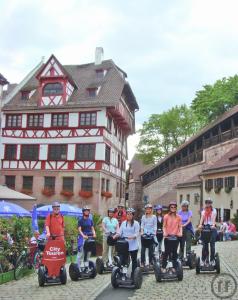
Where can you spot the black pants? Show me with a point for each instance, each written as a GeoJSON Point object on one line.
{"type": "Point", "coordinates": [171, 248]}
{"type": "Point", "coordinates": [151, 253]}
{"type": "Point", "coordinates": [205, 247]}
{"type": "Point", "coordinates": [133, 255]}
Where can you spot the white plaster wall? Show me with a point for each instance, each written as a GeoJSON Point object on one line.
{"type": "Point", "coordinates": [101, 118]}
{"type": "Point", "coordinates": [47, 120]}
{"type": "Point", "coordinates": [73, 119]}
{"type": "Point", "coordinates": [43, 152]}
{"type": "Point", "coordinates": [100, 152]}
{"type": "Point", "coordinates": [71, 152]}
{"type": "Point", "coordinates": [24, 120]}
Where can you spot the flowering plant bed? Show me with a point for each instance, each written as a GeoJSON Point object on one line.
{"type": "Point", "coordinates": [85, 194]}
{"type": "Point", "coordinates": [106, 194]}
{"type": "Point", "coordinates": [48, 192]}
{"type": "Point", "coordinates": [26, 191]}
{"type": "Point", "coordinates": [67, 193]}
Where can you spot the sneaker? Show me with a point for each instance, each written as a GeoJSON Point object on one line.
{"type": "Point", "coordinates": [213, 263]}
{"type": "Point", "coordinates": [163, 270]}
{"type": "Point", "coordinates": [202, 263]}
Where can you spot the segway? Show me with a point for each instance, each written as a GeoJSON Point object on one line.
{"type": "Point", "coordinates": [87, 269]}
{"type": "Point", "coordinates": [147, 240]}
{"type": "Point", "coordinates": [121, 273]}
{"type": "Point", "coordinates": [52, 268]}
{"type": "Point", "coordinates": [206, 236]}
{"type": "Point", "coordinates": [169, 274]}
{"type": "Point", "coordinates": [101, 268]}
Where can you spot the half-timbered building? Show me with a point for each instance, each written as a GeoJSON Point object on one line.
{"type": "Point", "coordinates": [64, 133]}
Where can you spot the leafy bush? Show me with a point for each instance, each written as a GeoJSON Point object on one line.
{"type": "Point", "coordinates": [71, 232]}
{"type": "Point", "coordinates": [97, 220]}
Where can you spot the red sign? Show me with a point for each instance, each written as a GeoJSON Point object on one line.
{"type": "Point", "coordinates": [54, 257]}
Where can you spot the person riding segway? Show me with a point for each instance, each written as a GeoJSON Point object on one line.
{"type": "Point", "coordinates": [84, 268]}
{"type": "Point", "coordinates": [159, 234]}
{"type": "Point", "coordinates": [188, 232]}
{"type": "Point", "coordinates": [127, 245]}
{"type": "Point", "coordinates": [52, 268]}
{"type": "Point", "coordinates": [207, 226]}
{"type": "Point", "coordinates": [148, 237]}
{"type": "Point", "coordinates": [110, 228]}
{"type": "Point", "coordinates": [172, 230]}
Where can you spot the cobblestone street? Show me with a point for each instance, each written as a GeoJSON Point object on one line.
{"type": "Point", "coordinates": [192, 287]}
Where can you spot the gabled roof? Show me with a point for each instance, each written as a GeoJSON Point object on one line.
{"type": "Point", "coordinates": [228, 162]}
{"type": "Point", "coordinates": [3, 80]}
{"type": "Point", "coordinates": [112, 86]}
{"type": "Point", "coordinates": [9, 194]}
{"type": "Point", "coordinates": [137, 167]}
{"type": "Point", "coordinates": [193, 181]}
{"type": "Point", "coordinates": [167, 197]}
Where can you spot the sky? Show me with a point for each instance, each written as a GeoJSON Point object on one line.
{"type": "Point", "coordinates": [169, 49]}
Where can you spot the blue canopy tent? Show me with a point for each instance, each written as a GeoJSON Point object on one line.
{"type": "Point", "coordinates": [65, 210]}
{"type": "Point", "coordinates": [8, 209]}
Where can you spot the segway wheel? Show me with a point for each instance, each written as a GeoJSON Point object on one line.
{"type": "Point", "coordinates": [115, 275]}
{"type": "Point", "coordinates": [93, 269]}
{"type": "Point", "coordinates": [63, 275]}
{"type": "Point", "coordinates": [158, 274]}
{"type": "Point", "coordinates": [41, 276]}
{"type": "Point", "coordinates": [180, 271]}
{"type": "Point", "coordinates": [137, 278]}
{"type": "Point", "coordinates": [218, 268]}
{"type": "Point", "coordinates": [198, 265]}
{"type": "Point", "coordinates": [99, 265]}
{"type": "Point", "coordinates": [192, 260]}
{"type": "Point", "coordinates": [74, 272]}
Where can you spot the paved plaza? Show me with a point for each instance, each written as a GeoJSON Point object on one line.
{"type": "Point", "coordinates": [192, 287]}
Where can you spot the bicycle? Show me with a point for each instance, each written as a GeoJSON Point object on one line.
{"type": "Point", "coordinates": [28, 259]}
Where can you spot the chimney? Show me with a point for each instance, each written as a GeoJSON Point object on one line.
{"type": "Point", "coordinates": [99, 55]}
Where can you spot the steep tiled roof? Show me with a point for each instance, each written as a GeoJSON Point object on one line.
{"type": "Point", "coordinates": [84, 76]}
{"type": "Point", "coordinates": [167, 197]}
{"type": "Point", "coordinates": [228, 161]}
{"type": "Point", "coordinates": [3, 80]}
{"type": "Point", "coordinates": [195, 180]}
{"type": "Point", "coordinates": [137, 167]}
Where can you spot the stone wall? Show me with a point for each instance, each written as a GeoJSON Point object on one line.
{"type": "Point", "coordinates": [169, 181]}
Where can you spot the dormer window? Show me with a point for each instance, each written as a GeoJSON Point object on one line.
{"type": "Point", "coordinates": [100, 73]}
{"type": "Point", "coordinates": [25, 95]}
{"type": "Point", "coordinates": [92, 92]}
{"type": "Point", "coordinates": [52, 89]}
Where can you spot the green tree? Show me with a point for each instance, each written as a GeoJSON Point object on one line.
{"type": "Point", "coordinates": [213, 100]}
{"type": "Point", "coordinates": [165, 132]}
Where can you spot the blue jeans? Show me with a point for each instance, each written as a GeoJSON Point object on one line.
{"type": "Point", "coordinates": [205, 247]}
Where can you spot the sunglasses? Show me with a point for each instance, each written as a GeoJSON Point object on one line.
{"type": "Point", "coordinates": [129, 214]}
{"type": "Point", "coordinates": [173, 206]}
{"type": "Point", "coordinates": [56, 207]}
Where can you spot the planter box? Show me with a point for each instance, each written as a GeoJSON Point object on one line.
{"type": "Point", "coordinates": [6, 277]}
